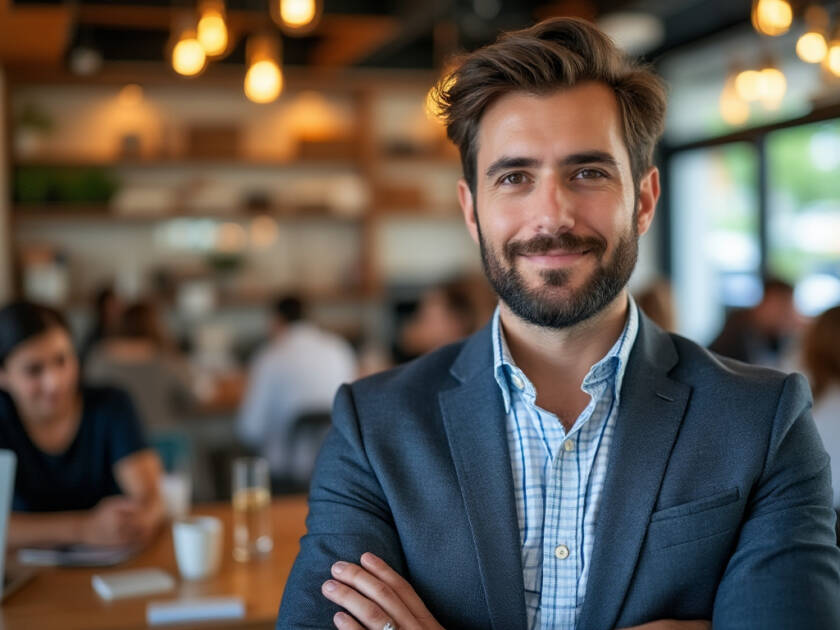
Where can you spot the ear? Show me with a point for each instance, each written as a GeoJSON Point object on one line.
{"type": "Point", "coordinates": [648, 196]}
{"type": "Point", "coordinates": [465, 198]}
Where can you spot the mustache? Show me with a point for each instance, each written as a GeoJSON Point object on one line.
{"type": "Point", "coordinates": [544, 243]}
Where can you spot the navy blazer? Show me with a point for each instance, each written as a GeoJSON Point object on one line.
{"type": "Point", "coordinates": [716, 505]}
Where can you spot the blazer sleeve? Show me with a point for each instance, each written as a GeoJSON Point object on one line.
{"type": "Point", "coordinates": [348, 515]}
{"type": "Point", "coordinates": [784, 572]}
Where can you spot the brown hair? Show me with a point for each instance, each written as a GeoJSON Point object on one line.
{"type": "Point", "coordinates": [821, 351]}
{"type": "Point", "coordinates": [554, 54]}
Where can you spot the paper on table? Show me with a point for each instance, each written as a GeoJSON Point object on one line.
{"type": "Point", "coordinates": [198, 609]}
{"type": "Point", "coordinates": [132, 583]}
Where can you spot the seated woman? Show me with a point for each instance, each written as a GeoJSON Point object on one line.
{"type": "Point", "coordinates": [85, 473]}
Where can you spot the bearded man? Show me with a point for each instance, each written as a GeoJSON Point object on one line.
{"type": "Point", "coordinates": [571, 465]}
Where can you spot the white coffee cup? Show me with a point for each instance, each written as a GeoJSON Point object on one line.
{"type": "Point", "coordinates": [198, 546]}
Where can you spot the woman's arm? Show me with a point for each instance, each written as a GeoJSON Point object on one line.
{"type": "Point", "coordinates": [139, 476]}
{"type": "Point", "coordinates": [118, 520]}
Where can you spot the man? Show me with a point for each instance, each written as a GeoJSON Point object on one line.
{"type": "Point", "coordinates": [761, 334]}
{"type": "Point", "coordinates": [297, 373]}
{"type": "Point", "coordinates": [571, 465]}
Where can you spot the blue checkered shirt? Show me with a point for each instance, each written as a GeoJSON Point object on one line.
{"type": "Point", "coordinates": [558, 477]}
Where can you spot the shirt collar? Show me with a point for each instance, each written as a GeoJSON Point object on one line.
{"type": "Point", "coordinates": [612, 365]}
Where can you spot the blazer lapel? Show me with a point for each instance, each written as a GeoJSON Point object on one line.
{"type": "Point", "coordinates": [474, 419]}
{"type": "Point", "coordinates": [651, 410]}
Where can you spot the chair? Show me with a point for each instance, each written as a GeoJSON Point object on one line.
{"type": "Point", "coordinates": [305, 437]}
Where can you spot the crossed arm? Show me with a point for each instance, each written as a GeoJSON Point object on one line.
{"type": "Point", "coordinates": [373, 595]}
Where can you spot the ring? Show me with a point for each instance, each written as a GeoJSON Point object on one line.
{"type": "Point", "coordinates": [389, 626]}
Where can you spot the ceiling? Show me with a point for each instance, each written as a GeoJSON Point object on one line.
{"type": "Point", "coordinates": [392, 34]}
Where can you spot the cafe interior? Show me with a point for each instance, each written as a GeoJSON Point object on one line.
{"type": "Point", "coordinates": [189, 163]}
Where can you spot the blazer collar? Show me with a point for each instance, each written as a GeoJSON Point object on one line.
{"type": "Point", "coordinates": [649, 417]}
{"type": "Point", "coordinates": [475, 423]}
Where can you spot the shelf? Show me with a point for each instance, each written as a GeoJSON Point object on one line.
{"type": "Point", "coordinates": [71, 213]}
{"type": "Point", "coordinates": [186, 161]}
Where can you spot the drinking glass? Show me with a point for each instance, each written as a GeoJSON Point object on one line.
{"type": "Point", "coordinates": [251, 509]}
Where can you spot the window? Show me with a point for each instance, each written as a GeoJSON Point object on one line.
{"type": "Point", "coordinates": [716, 251]}
{"type": "Point", "coordinates": [803, 209]}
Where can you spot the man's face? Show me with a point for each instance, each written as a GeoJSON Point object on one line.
{"type": "Point", "coordinates": [555, 212]}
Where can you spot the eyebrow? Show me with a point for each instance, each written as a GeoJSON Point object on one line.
{"type": "Point", "coordinates": [575, 159]}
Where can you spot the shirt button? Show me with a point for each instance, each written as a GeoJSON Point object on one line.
{"type": "Point", "coordinates": [517, 382]}
{"type": "Point", "coordinates": [561, 552]}
{"type": "Point", "coordinates": [569, 445]}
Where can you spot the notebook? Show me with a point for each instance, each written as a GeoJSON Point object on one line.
{"type": "Point", "coordinates": [13, 580]}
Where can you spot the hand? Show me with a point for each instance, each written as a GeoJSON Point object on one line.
{"type": "Point", "coordinates": [673, 624]}
{"type": "Point", "coordinates": [115, 521]}
{"type": "Point", "coordinates": [374, 594]}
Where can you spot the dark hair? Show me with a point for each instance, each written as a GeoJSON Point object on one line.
{"type": "Point", "coordinates": [470, 299]}
{"type": "Point", "coordinates": [289, 308]}
{"type": "Point", "coordinates": [140, 321]}
{"type": "Point", "coordinates": [776, 285]}
{"type": "Point", "coordinates": [821, 351]}
{"type": "Point", "coordinates": [21, 321]}
{"type": "Point", "coordinates": [556, 53]}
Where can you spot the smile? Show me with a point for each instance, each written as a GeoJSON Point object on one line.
{"type": "Point", "coordinates": [556, 257]}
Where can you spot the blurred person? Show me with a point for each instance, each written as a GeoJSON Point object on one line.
{"type": "Point", "coordinates": [761, 335]}
{"type": "Point", "coordinates": [570, 465]}
{"type": "Point", "coordinates": [85, 473]}
{"type": "Point", "coordinates": [107, 314]}
{"type": "Point", "coordinates": [141, 359]}
{"type": "Point", "coordinates": [821, 360]}
{"type": "Point", "coordinates": [297, 373]}
{"type": "Point", "coordinates": [657, 302]}
{"type": "Point", "coordinates": [446, 314]}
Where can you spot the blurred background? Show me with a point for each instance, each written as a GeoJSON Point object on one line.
{"type": "Point", "coordinates": [207, 157]}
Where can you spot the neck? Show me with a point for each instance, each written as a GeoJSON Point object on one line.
{"type": "Point", "coordinates": [563, 355]}
{"type": "Point", "coordinates": [66, 415]}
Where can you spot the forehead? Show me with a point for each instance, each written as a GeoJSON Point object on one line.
{"type": "Point", "coordinates": [41, 346]}
{"type": "Point", "coordinates": [581, 118]}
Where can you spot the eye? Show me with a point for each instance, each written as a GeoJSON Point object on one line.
{"type": "Point", "coordinates": [33, 370]}
{"type": "Point", "coordinates": [590, 173]}
{"type": "Point", "coordinates": [513, 179]}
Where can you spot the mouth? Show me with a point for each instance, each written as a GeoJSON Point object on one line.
{"type": "Point", "coordinates": [557, 257]}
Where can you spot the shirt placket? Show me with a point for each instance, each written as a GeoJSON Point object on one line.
{"type": "Point", "coordinates": [561, 548]}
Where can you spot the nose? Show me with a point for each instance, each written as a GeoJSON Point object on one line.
{"type": "Point", "coordinates": [555, 210]}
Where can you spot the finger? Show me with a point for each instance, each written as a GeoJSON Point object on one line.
{"type": "Point", "coordinates": [375, 590]}
{"type": "Point", "coordinates": [368, 613]}
{"type": "Point", "coordinates": [380, 569]}
{"type": "Point", "coordinates": [343, 621]}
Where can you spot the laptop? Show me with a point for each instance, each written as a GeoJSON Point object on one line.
{"type": "Point", "coordinates": [13, 580]}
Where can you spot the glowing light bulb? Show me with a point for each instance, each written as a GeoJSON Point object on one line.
{"type": "Point", "coordinates": [188, 56]}
{"type": "Point", "coordinates": [832, 59]}
{"type": "Point", "coordinates": [811, 47]}
{"type": "Point", "coordinates": [263, 81]}
{"type": "Point", "coordinates": [746, 85]}
{"type": "Point", "coordinates": [733, 109]}
{"type": "Point", "coordinates": [212, 32]}
{"type": "Point", "coordinates": [297, 13]}
{"type": "Point", "coordinates": [772, 17]}
{"type": "Point", "coordinates": [772, 86]}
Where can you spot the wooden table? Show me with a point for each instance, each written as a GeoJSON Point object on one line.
{"type": "Point", "coordinates": [63, 598]}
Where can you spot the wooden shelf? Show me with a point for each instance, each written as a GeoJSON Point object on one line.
{"type": "Point", "coordinates": [71, 213]}
{"type": "Point", "coordinates": [185, 161]}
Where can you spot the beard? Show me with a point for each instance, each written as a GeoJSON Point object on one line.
{"type": "Point", "coordinates": [543, 306]}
